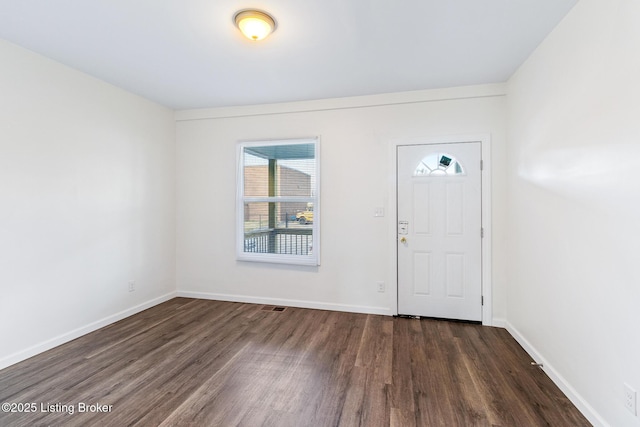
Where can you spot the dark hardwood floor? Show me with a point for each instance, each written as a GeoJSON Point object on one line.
{"type": "Point", "coordinates": [208, 363]}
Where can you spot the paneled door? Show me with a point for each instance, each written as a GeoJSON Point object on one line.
{"type": "Point", "coordinates": [439, 239]}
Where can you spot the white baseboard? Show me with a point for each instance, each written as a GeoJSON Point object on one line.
{"type": "Point", "coordinates": [575, 398]}
{"type": "Point", "coordinates": [76, 333]}
{"type": "Point", "coordinates": [498, 322]}
{"type": "Point", "coordinates": [288, 302]}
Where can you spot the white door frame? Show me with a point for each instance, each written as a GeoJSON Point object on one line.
{"type": "Point", "coordinates": [485, 143]}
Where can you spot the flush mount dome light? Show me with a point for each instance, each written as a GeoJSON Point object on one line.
{"type": "Point", "coordinates": [254, 24]}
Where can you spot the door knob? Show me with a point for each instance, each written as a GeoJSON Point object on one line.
{"type": "Point", "coordinates": [403, 240]}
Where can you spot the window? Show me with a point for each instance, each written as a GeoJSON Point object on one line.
{"type": "Point", "coordinates": [278, 212]}
{"type": "Point", "coordinates": [439, 164]}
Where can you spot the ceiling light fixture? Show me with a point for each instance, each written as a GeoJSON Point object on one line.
{"type": "Point", "coordinates": [254, 24]}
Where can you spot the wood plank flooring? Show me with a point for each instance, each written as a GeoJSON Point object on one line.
{"type": "Point", "coordinates": [194, 362]}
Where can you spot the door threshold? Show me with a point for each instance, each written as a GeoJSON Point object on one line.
{"type": "Point", "coordinates": [410, 316]}
{"type": "Point", "coordinates": [407, 316]}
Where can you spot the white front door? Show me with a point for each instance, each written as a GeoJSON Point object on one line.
{"type": "Point", "coordinates": [439, 230]}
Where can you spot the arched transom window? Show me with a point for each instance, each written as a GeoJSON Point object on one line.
{"type": "Point", "coordinates": [439, 164]}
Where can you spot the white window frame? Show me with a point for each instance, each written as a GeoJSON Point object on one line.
{"type": "Point", "coordinates": [314, 258]}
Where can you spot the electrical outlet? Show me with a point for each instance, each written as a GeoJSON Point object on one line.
{"type": "Point", "coordinates": [630, 399]}
{"type": "Point", "coordinates": [381, 287]}
{"type": "Point", "coordinates": [132, 286]}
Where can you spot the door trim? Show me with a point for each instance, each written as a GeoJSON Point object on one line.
{"type": "Point", "coordinates": [485, 176]}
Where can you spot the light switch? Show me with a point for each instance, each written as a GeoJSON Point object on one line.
{"type": "Point", "coordinates": [378, 212]}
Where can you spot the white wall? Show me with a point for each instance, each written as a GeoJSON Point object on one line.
{"type": "Point", "coordinates": [574, 206]}
{"type": "Point", "coordinates": [87, 203]}
{"type": "Point", "coordinates": [356, 177]}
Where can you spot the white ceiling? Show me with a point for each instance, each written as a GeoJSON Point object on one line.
{"type": "Point", "coordinates": [188, 54]}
